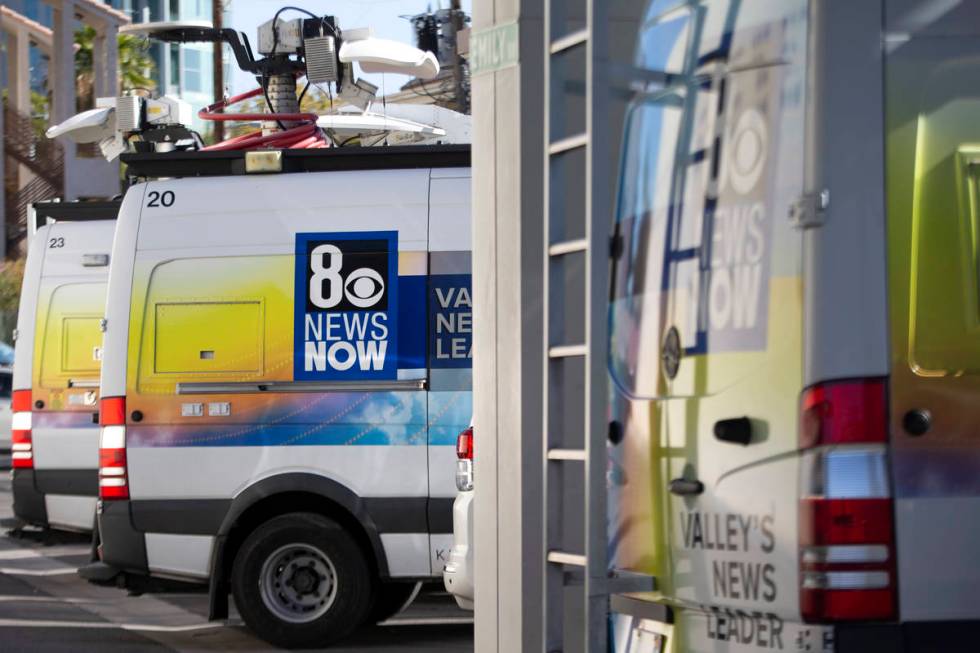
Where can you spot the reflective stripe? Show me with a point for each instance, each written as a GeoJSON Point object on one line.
{"type": "Point", "coordinates": [845, 553]}
{"type": "Point", "coordinates": [845, 580]}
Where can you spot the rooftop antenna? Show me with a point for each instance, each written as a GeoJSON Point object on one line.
{"type": "Point", "coordinates": [312, 46]}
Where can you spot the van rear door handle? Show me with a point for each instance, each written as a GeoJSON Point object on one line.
{"type": "Point", "coordinates": [684, 487]}
{"type": "Point", "coordinates": [737, 430]}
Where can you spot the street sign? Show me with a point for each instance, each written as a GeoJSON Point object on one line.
{"type": "Point", "coordinates": [494, 49]}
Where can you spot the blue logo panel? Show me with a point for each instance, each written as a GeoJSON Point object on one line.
{"type": "Point", "coordinates": [450, 321]}
{"type": "Point", "coordinates": [346, 306]}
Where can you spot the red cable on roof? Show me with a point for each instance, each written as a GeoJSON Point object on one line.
{"type": "Point", "coordinates": [303, 136]}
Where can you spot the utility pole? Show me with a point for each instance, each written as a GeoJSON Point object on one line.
{"type": "Point", "coordinates": [217, 16]}
{"type": "Point", "coordinates": [457, 20]}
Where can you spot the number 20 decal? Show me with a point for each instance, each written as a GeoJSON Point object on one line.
{"type": "Point", "coordinates": [166, 198]}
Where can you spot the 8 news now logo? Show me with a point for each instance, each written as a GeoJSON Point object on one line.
{"type": "Point", "coordinates": [346, 306]}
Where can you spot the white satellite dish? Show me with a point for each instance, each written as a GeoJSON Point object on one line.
{"type": "Point", "coordinates": [386, 56]}
{"type": "Point", "coordinates": [150, 29]}
{"type": "Point", "coordinates": [374, 122]}
{"type": "Point", "coordinates": [89, 126]}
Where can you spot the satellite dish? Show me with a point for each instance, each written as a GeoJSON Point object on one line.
{"type": "Point", "coordinates": [89, 126]}
{"type": "Point", "coordinates": [385, 56]}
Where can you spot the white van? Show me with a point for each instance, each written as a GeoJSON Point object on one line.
{"type": "Point", "coordinates": [57, 360]}
{"type": "Point", "coordinates": [287, 365]}
{"type": "Point", "coordinates": [794, 320]}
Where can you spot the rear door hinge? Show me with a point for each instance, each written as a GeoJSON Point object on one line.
{"type": "Point", "coordinates": [809, 209]}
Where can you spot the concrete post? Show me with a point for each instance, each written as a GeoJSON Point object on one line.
{"type": "Point", "coordinates": [111, 61]}
{"type": "Point", "coordinates": [507, 264]}
{"type": "Point", "coordinates": [99, 68]}
{"type": "Point", "coordinates": [19, 71]}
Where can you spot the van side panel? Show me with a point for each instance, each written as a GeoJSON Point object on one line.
{"type": "Point", "coordinates": [450, 357]}
{"type": "Point", "coordinates": [223, 322]}
{"type": "Point", "coordinates": [933, 176]}
{"type": "Point", "coordinates": [845, 286]}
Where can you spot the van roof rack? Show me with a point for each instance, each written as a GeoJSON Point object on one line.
{"type": "Point", "coordinates": [74, 211]}
{"type": "Point", "coordinates": [232, 162]}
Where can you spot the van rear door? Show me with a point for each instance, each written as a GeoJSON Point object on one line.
{"type": "Point", "coordinates": [707, 321]}
{"type": "Point", "coordinates": [933, 194]}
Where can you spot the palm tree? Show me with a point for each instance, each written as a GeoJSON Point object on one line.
{"type": "Point", "coordinates": [135, 65]}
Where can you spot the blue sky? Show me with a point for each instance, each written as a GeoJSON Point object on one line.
{"type": "Point", "coordinates": [381, 15]}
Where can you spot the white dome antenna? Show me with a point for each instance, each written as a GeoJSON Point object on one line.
{"type": "Point", "coordinates": [375, 55]}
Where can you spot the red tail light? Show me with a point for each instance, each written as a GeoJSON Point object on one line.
{"type": "Point", "coordinates": [844, 412]}
{"type": "Point", "coordinates": [464, 464]}
{"type": "Point", "coordinates": [112, 411]}
{"type": "Point", "coordinates": [113, 477]}
{"type": "Point", "coordinates": [847, 540]}
{"type": "Point", "coordinates": [22, 447]}
{"type": "Point", "coordinates": [464, 444]}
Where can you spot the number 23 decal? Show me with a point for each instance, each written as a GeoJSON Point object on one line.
{"type": "Point", "coordinates": [56, 243]}
{"type": "Point", "coordinates": [157, 199]}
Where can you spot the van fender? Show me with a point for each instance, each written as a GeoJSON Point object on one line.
{"type": "Point", "coordinates": [290, 483]}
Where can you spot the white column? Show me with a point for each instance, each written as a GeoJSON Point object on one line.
{"type": "Point", "coordinates": [112, 60]}
{"type": "Point", "coordinates": [19, 71]}
{"type": "Point", "coordinates": [99, 79]}
{"type": "Point", "coordinates": [19, 80]}
{"type": "Point", "coordinates": [106, 61]}
{"type": "Point", "coordinates": [507, 282]}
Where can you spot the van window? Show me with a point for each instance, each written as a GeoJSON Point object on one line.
{"type": "Point", "coordinates": [945, 288]}
{"type": "Point", "coordinates": [710, 156]}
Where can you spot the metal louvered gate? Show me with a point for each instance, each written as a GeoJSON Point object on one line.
{"type": "Point", "coordinates": [576, 282]}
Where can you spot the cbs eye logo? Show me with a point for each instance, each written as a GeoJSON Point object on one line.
{"type": "Point", "coordinates": [360, 284]}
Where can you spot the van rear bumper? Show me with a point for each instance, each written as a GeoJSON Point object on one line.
{"type": "Point", "coordinates": [912, 637]}
{"type": "Point", "coordinates": [28, 500]}
{"type": "Point", "coordinates": [123, 547]}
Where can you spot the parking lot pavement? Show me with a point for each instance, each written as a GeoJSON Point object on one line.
{"type": "Point", "coordinates": [46, 606]}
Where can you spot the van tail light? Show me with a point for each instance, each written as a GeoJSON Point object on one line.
{"type": "Point", "coordinates": [113, 477]}
{"type": "Point", "coordinates": [464, 462]}
{"type": "Point", "coordinates": [21, 445]}
{"type": "Point", "coordinates": [847, 531]}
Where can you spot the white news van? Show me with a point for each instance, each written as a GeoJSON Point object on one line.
{"type": "Point", "coordinates": [795, 454]}
{"type": "Point", "coordinates": [57, 360]}
{"type": "Point", "coordinates": [287, 366]}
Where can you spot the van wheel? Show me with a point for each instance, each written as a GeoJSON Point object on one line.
{"type": "Point", "coordinates": [300, 580]}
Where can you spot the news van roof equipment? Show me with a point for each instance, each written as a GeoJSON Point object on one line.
{"type": "Point", "coordinates": [312, 46]}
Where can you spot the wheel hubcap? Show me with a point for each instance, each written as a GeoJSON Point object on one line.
{"type": "Point", "coordinates": [298, 583]}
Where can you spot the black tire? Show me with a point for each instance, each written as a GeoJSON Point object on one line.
{"type": "Point", "coordinates": [285, 567]}
{"type": "Point", "coordinates": [391, 598]}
